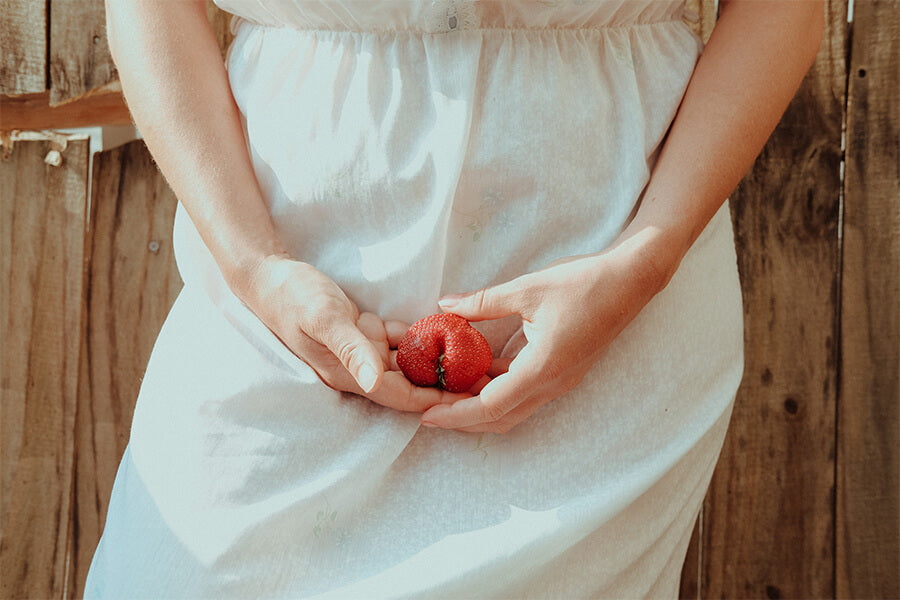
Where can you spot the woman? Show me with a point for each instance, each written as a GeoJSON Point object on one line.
{"type": "Point", "coordinates": [362, 164]}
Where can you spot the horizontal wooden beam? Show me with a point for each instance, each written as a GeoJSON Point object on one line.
{"type": "Point", "coordinates": [33, 111]}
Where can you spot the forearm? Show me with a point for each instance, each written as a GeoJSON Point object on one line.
{"type": "Point", "coordinates": [752, 66]}
{"type": "Point", "coordinates": [177, 89]}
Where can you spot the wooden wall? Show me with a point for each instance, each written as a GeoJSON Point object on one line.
{"type": "Point", "coordinates": [867, 519]}
{"type": "Point", "coordinates": [804, 503]}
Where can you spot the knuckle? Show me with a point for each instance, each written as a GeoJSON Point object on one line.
{"type": "Point", "coordinates": [316, 305]}
{"type": "Point", "coordinates": [345, 350]}
{"type": "Point", "coordinates": [551, 370]}
{"type": "Point", "coordinates": [570, 381]}
{"type": "Point", "coordinates": [316, 324]}
{"type": "Point", "coordinates": [411, 400]}
{"type": "Point", "coordinates": [329, 378]}
{"type": "Point", "coordinates": [320, 315]}
{"type": "Point", "coordinates": [503, 426]}
{"type": "Point", "coordinates": [493, 412]}
{"type": "Point", "coordinates": [480, 298]}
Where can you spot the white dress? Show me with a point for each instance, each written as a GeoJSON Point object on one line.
{"type": "Point", "coordinates": [409, 149]}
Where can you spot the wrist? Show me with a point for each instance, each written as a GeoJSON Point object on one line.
{"type": "Point", "coordinates": [654, 253]}
{"type": "Point", "coordinates": [246, 276]}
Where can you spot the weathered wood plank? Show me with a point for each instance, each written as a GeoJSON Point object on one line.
{"type": "Point", "coordinates": [705, 10]}
{"type": "Point", "coordinates": [221, 25]}
{"type": "Point", "coordinates": [868, 467]}
{"type": "Point", "coordinates": [133, 283]}
{"type": "Point", "coordinates": [42, 261]}
{"type": "Point", "coordinates": [768, 521]}
{"type": "Point", "coordinates": [693, 564]}
{"type": "Point", "coordinates": [31, 112]}
{"type": "Point", "coordinates": [80, 61]}
{"type": "Point", "coordinates": [23, 47]}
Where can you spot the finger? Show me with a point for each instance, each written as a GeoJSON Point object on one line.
{"type": "Point", "coordinates": [498, 367]}
{"type": "Point", "coordinates": [465, 413]}
{"type": "Point", "coordinates": [498, 398]}
{"type": "Point", "coordinates": [356, 352]}
{"type": "Point", "coordinates": [325, 364]}
{"type": "Point", "coordinates": [489, 303]}
{"type": "Point", "coordinates": [472, 411]}
{"type": "Point", "coordinates": [479, 385]}
{"type": "Point", "coordinates": [374, 328]}
{"type": "Point", "coordinates": [395, 332]}
{"type": "Point", "coordinates": [515, 344]}
{"type": "Point", "coordinates": [509, 421]}
{"type": "Point", "coordinates": [397, 392]}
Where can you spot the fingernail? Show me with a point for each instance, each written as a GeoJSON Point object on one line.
{"type": "Point", "coordinates": [449, 301]}
{"type": "Point", "coordinates": [367, 377]}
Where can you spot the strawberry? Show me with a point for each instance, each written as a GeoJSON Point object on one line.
{"type": "Point", "coordinates": [444, 350]}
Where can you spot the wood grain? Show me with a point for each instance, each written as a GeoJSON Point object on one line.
{"type": "Point", "coordinates": [768, 521]}
{"type": "Point", "coordinates": [133, 282]}
{"type": "Point", "coordinates": [221, 25]}
{"type": "Point", "coordinates": [691, 572]}
{"type": "Point", "coordinates": [706, 13]}
{"type": "Point", "coordinates": [776, 523]}
{"type": "Point", "coordinates": [23, 47]}
{"type": "Point", "coordinates": [868, 468]}
{"type": "Point", "coordinates": [33, 111]}
{"type": "Point", "coordinates": [42, 261]}
{"type": "Point", "coordinates": [80, 61]}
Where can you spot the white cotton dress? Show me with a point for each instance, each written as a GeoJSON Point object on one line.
{"type": "Point", "coordinates": [410, 149]}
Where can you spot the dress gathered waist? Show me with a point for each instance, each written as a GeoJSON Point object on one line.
{"type": "Point", "coordinates": [426, 17]}
{"type": "Point", "coordinates": [487, 140]}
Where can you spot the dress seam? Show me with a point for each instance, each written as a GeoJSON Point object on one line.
{"type": "Point", "coordinates": [423, 32]}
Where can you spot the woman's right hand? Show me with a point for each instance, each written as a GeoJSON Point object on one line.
{"type": "Point", "coordinates": [178, 92]}
{"type": "Point", "coordinates": [349, 351]}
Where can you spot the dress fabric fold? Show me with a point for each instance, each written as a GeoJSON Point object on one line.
{"type": "Point", "coordinates": [410, 149]}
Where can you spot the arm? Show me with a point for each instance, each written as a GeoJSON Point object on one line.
{"type": "Point", "coordinates": [753, 64]}
{"type": "Point", "coordinates": [177, 89]}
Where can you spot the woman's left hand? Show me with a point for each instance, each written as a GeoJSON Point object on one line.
{"type": "Point", "coordinates": [571, 311]}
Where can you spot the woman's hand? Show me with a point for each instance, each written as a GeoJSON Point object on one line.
{"type": "Point", "coordinates": [316, 320]}
{"type": "Point", "coordinates": [571, 312]}
{"type": "Point", "coordinates": [752, 65]}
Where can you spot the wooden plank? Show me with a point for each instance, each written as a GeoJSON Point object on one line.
{"type": "Point", "coordinates": [768, 521]}
{"type": "Point", "coordinates": [80, 61]}
{"type": "Point", "coordinates": [221, 25]}
{"type": "Point", "coordinates": [23, 47]}
{"type": "Point", "coordinates": [133, 283]}
{"type": "Point", "coordinates": [44, 212]}
{"type": "Point", "coordinates": [868, 467]}
{"type": "Point", "coordinates": [33, 111]}
{"type": "Point", "coordinates": [706, 13]}
{"type": "Point", "coordinates": [693, 564]}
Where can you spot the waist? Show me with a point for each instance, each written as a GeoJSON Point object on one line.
{"type": "Point", "coordinates": [452, 16]}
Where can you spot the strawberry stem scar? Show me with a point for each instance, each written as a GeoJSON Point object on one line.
{"type": "Point", "coordinates": [440, 370]}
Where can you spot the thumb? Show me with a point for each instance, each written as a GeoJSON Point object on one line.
{"type": "Point", "coordinates": [487, 303]}
{"type": "Point", "coordinates": [356, 352]}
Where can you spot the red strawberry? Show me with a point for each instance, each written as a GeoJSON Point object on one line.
{"type": "Point", "coordinates": [444, 350]}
